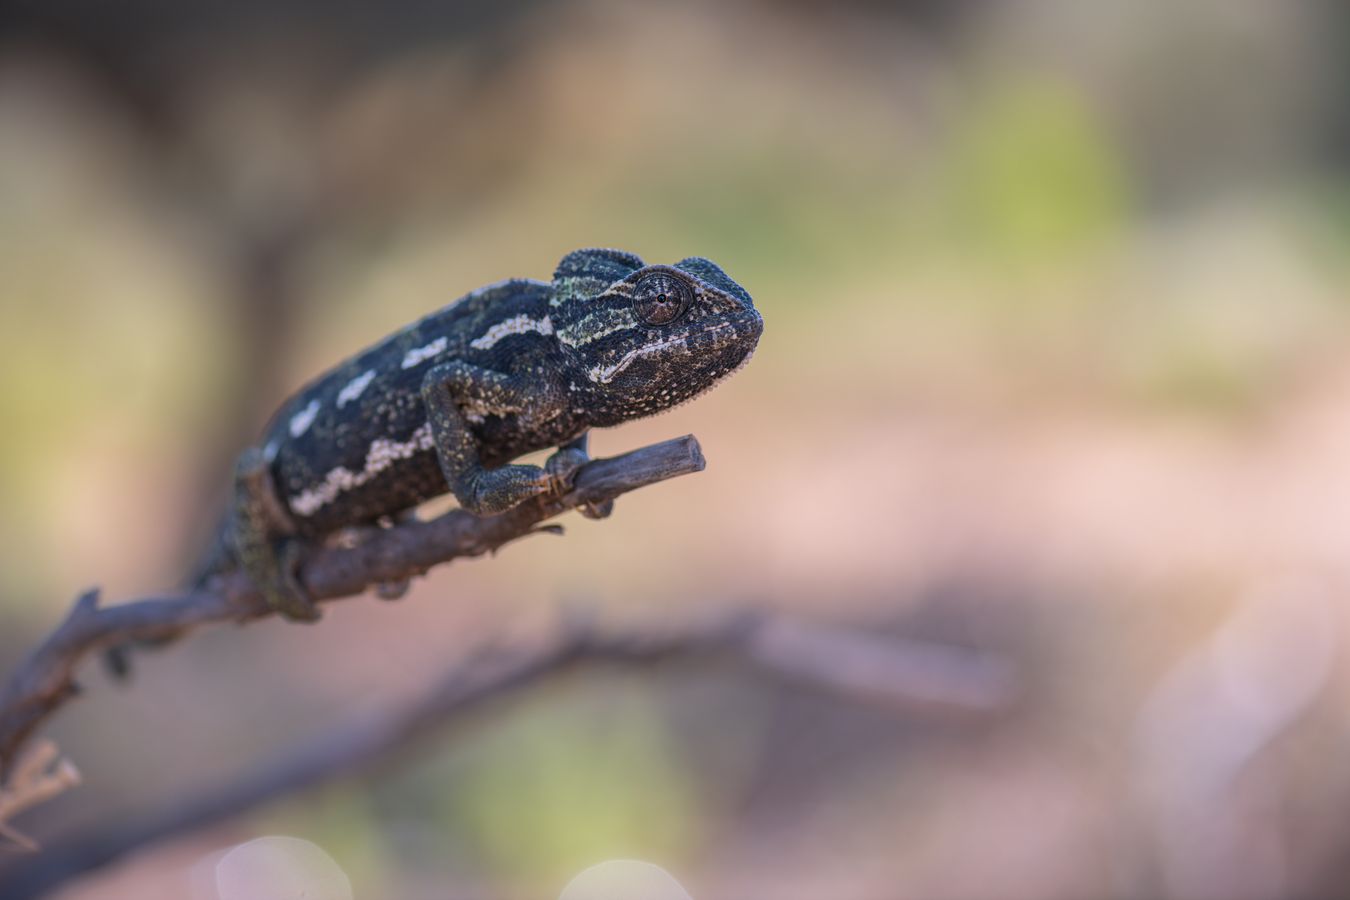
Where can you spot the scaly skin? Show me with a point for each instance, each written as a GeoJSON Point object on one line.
{"type": "Point", "coordinates": [446, 403]}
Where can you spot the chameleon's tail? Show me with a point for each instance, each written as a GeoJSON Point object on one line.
{"type": "Point", "coordinates": [217, 557]}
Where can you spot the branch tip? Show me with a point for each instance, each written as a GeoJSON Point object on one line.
{"type": "Point", "coordinates": [697, 461]}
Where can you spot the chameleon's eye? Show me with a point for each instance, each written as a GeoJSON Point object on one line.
{"type": "Point", "coordinates": [661, 298]}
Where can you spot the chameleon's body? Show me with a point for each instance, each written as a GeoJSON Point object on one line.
{"type": "Point", "coordinates": [446, 403]}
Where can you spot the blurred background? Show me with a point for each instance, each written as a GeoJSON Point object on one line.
{"type": "Point", "coordinates": [1055, 369]}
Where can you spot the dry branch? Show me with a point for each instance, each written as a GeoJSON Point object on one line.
{"type": "Point", "coordinates": [45, 679]}
{"type": "Point", "coordinates": [895, 672]}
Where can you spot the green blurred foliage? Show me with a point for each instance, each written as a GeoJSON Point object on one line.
{"type": "Point", "coordinates": [558, 782]}
{"type": "Point", "coordinates": [1034, 178]}
{"type": "Point", "coordinates": [571, 784]}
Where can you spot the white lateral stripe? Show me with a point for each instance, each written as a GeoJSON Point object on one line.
{"type": "Point", "coordinates": [301, 421]}
{"type": "Point", "coordinates": [355, 388]}
{"type": "Point", "coordinates": [515, 325]}
{"type": "Point", "coordinates": [382, 454]}
{"type": "Point", "coordinates": [419, 355]}
{"type": "Point", "coordinates": [605, 374]}
{"type": "Point", "coordinates": [604, 324]}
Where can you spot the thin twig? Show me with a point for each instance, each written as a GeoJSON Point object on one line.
{"type": "Point", "coordinates": [39, 775]}
{"type": "Point", "coordinates": [898, 673]}
{"type": "Point", "coordinates": [45, 680]}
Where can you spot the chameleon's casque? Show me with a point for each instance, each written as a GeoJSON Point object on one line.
{"type": "Point", "coordinates": [446, 403]}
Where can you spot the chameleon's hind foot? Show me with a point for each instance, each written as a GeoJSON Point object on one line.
{"type": "Point", "coordinates": [274, 568]}
{"type": "Point", "coordinates": [282, 588]}
{"type": "Point", "coordinates": [262, 545]}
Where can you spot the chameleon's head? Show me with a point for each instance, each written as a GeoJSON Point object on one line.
{"type": "Point", "coordinates": [645, 338]}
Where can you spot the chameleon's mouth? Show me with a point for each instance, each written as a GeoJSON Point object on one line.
{"type": "Point", "coordinates": [715, 353]}
{"type": "Point", "coordinates": [745, 360]}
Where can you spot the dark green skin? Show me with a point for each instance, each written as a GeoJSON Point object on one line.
{"type": "Point", "coordinates": [446, 403]}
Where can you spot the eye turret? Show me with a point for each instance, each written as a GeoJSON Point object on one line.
{"type": "Point", "coordinates": [661, 298]}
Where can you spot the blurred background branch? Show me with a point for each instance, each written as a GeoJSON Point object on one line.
{"type": "Point", "coordinates": [908, 676]}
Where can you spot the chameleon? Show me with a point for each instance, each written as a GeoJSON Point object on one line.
{"type": "Point", "coordinates": [445, 404]}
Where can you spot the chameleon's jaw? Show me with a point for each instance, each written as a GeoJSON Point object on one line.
{"type": "Point", "coordinates": [664, 375]}
{"type": "Point", "coordinates": [734, 347]}
{"type": "Point", "coordinates": [747, 328]}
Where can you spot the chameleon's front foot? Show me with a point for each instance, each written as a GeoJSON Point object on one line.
{"type": "Point", "coordinates": [265, 552]}
{"type": "Point", "coordinates": [488, 491]}
{"type": "Point", "coordinates": [485, 492]}
{"type": "Point", "coordinates": [562, 467]}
